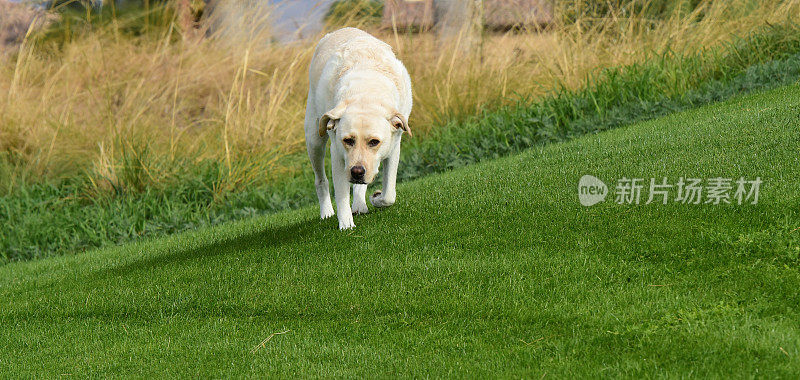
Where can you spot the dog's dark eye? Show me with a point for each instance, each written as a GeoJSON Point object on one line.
{"type": "Point", "coordinates": [373, 143]}
{"type": "Point", "coordinates": [349, 141]}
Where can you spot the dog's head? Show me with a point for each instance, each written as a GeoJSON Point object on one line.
{"type": "Point", "coordinates": [366, 134]}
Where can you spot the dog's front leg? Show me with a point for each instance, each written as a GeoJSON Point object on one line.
{"type": "Point", "coordinates": [360, 199]}
{"type": "Point", "coordinates": [388, 196]}
{"type": "Point", "coordinates": [316, 152]}
{"type": "Point", "coordinates": [341, 190]}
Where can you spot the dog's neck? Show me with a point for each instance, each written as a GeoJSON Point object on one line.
{"type": "Point", "coordinates": [364, 87]}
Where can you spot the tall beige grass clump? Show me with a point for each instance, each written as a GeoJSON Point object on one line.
{"type": "Point", "coordinates": [104, 104]}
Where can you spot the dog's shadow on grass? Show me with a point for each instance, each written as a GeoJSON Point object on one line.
{"type": "Point", "coordinates": [258, 239]}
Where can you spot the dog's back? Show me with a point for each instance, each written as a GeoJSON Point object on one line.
{"type": "Point", "coordinates": [350, 47]}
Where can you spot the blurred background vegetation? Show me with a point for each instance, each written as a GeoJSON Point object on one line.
{"type": "Point", "coordinates": [343, 12]}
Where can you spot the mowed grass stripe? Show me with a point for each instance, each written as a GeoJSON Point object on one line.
{"type": "Point", "coordinates": [490, 270]}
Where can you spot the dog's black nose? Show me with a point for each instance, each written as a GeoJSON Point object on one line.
{"type": "Point", "coordinates": [357, 172]}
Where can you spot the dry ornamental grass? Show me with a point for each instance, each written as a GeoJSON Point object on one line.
{"type": "Point", "coordinates": [104, 102]}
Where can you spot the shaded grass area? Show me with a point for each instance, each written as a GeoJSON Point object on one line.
{"type": "Point", "coordinates": [45, 220]}
{"type": "Point", "coordinates": [493, 270]}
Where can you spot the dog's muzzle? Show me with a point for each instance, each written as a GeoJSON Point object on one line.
{"type": "Point", "coordinates": [357, 174]}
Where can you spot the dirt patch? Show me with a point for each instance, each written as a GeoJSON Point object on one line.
{"type": "Point", "coordinates": [15, 21]}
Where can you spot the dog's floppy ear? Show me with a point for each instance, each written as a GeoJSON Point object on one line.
{"type": "Point", "coordinates": [328, 120]}
{"type": "Point", "coordinates": [399, 121]}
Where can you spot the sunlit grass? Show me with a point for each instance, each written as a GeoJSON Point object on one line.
{"type": "Point", "coordinates": [493, 270]}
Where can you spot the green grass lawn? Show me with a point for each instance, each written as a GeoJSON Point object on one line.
{"type": "Point", "coordinates": [490, 270]}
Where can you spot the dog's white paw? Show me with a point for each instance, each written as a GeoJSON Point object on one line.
{"type": "Point", "coordinates": [326, 211]}
{"type": "Point", "coordinates": [346, 222]}
{"type": "Point", "coordinates": [379, 200]}
{"type": "Point", "coordinates": [359, 208]}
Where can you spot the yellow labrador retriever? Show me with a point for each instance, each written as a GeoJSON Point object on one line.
{"type": "Point", "coordinates": [359, 96]}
